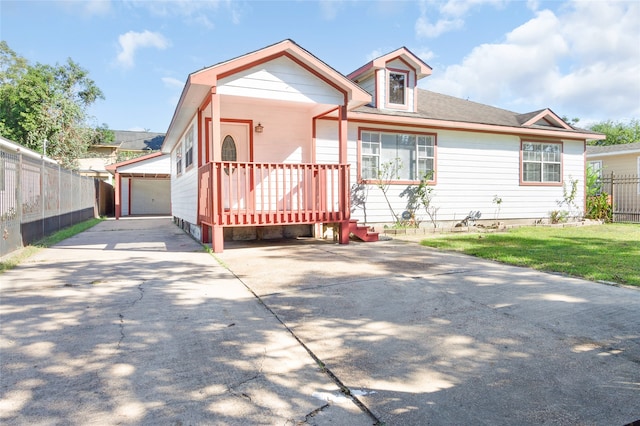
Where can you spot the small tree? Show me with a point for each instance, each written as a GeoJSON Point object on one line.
{"type": "Point", "coordinates": [421, 197]}
{"type": "Point", "coordinates": [498, 202]}
{"type": "Point", "coordinates": [388, 172]}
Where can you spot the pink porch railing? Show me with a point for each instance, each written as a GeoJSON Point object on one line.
{"type": "Point", "coordinates": [245, 194]}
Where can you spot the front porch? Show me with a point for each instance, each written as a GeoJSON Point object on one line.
{"type": "Point", "coordinates": [236, 194]}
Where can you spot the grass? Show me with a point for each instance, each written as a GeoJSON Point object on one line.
{"type": "Point", "coordinates": [609, 252]}
{"type": "Point", "coordinates": [13, 260]}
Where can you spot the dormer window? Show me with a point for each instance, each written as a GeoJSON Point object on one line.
{"type": "Point", "coordinates": [397, 87]}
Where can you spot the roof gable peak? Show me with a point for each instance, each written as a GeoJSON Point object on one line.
{"type": "Point", "coordinates": [421, 68]}
{"type": "Point", "coordinates": [544, 117]}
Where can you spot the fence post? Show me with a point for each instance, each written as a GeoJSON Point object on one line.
{"type": "Point", "coordinates": [19, 194]}
{"type": "Point", "coordinates": [613, 199]}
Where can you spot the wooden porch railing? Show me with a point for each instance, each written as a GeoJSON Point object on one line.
{"type": "Point", "coordinates": [261, 194]}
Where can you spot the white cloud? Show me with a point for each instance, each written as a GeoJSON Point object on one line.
{"type": "Point", "coordinates": [172, 82]}
{"type": "Point", "coordinates": [449, 16]}
{"type": "Point", "coordinates": [96, 7]}
{"type": "Point", "coordinates": [582, 61]}
{"type": "Point", "coordinates": [131, 41]}
{"type": "Point", "coordinates": [194, 12]}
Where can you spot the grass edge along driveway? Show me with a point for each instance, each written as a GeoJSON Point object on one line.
{"type": "Point", "coordinates": [609, 252]}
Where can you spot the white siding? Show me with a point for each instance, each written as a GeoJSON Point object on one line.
{"type": "Point", "coordinates": [184, 188]}
{"type": "Point", "coordinates": [471, 169]}
{"type": "Point", "coordinates": [156, 165]}
{"type": "Point", "coordinates": [280, 79]}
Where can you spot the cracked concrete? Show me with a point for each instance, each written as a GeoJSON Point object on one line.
{"type": "Point", "coordinates": [155, 331]}
{"type": "Point", "coordinates": [152, 331]}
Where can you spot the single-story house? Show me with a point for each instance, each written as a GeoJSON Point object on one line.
{"type": "Point", "coordinates": [126, 144]}
{"type": "Point", "coordinates": [142, 185]}
{"type": "Point", "coordinates": [276, 142]}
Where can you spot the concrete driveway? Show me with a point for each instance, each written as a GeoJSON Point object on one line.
{"type": "Point", "coordinates": [132, 323]}
{"type": "Point", "coordinates": [438, 338]}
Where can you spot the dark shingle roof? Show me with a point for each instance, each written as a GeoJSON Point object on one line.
{"type": "Point", "coordinates": [129, 140]}
{"type": "Point", "coordinates": [621, 148]}
{"type": "Point", "coordinates": [436, 106]}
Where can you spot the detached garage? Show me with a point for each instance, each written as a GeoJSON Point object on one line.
{"type": "Point", "coordinates": [143, 185]}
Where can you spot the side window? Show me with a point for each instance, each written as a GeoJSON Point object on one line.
{"type": "Point", "coordinates": [179, 160]}
{"type": "Point", "coordinates": [541, 163]}
{"type": "Point", "coordinates": [188, 148]}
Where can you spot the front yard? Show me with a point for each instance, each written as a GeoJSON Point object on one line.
{"type": "Point", "coordinates": [609, 252]}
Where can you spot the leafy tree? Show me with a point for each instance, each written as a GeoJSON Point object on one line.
{"type": "Point", "coordinates": [44, 107]}
{"type": "Point", "coordinates": [618, 132]}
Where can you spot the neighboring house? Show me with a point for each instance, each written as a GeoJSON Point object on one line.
{"type": "Point", "coordinates": [276, 143]}
{"type": "Point", "coordinates": [623, 159]}
{"type": "Point", "coordinates": [125, 146]}
{"type": "Point", "coordinates": [619, 169]}
{"type": "Point", "coordinates": [142, 185]}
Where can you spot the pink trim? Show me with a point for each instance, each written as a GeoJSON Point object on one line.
{"type": "Point", "coordinates": [523, 183]}
{"type": "Point", "coordinates": [359, 178]}
{"type": "Point", "coordinates": [549, 117]}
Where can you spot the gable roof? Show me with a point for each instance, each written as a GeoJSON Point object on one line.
{"type": "Point", "coordinates": [436, 109]}
{"type": "Point", "coordinates": [403, 54]}
{"type": "Point", "coordinates": [129, 140]}
{"type": "Point", "coordinates": [200, 83]}
{"type": "Point", "coordinates": [156, 156]}
{"type": "Point", "coordinates": [607, 150]}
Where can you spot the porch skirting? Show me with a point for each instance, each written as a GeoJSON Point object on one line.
{"type": "Point", "coordinates": [249, 233]}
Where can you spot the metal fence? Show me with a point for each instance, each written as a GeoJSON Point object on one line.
{"type": "Point", "coordinates": [624, 192]}
{"type": "Point", "coordinates": [38, 197]}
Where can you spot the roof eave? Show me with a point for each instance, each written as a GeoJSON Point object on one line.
{"type": "Point", "coordinates": [479, 127]}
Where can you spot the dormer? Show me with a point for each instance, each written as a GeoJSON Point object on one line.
{"type": "Point", "coordinates": [392, 80]}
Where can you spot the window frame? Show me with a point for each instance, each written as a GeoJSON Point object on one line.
{"type": "Point", "coordinates": [418, 157]}
{"type": "Point", "coordinates": [179, 159]}
{"type": "Point", "coordinates": [188, 148]}
{"type": "Point", "coordinates": [542, 163]}
{"type": "Point", "coordinates": [405, 89]}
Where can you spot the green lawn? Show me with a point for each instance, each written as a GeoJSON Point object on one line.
{"type": "Point", "coordinates": [608, 252]}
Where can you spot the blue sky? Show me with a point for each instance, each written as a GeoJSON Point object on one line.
{"type": "Point", "coordinates": [579, 58]}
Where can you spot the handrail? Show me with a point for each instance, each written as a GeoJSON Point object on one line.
{"type": "Point", "coordinates": [255, 194]}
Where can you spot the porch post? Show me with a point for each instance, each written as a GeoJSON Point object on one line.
{"type": "Point", "coordinates": [217, 231]}
{"type": "Point", "coordinates": [117, 195]}
{"type": "Point", "coordinates": [344, 178]}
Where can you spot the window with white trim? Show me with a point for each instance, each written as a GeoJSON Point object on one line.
{"type": "Point", "coordinates": [596, 167]}
{"type": "Point", "coordinates": [541, 162]}
{"type": "Point", "coordinates": [188, 148]}
{"type": "Point", "coordinates": [397, 88]}
{"type": "Point", "coordinates": [410, 156]}
{"type": "Point", "coordinates": [179, 159]}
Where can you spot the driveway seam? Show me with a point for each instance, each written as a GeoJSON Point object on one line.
{"type": "Point", "coordinates": [343, 388]}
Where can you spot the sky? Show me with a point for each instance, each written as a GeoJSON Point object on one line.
{"type": "Point", "coordinates": [581, 59]}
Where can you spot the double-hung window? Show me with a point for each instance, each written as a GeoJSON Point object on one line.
{"type": "Point", "coordinates": [188, 148]}
{"type": "Point", "coordinates": [396, 156]}
{"type": "Point", "coordinates": [541, 162]}
{"type": "Point", "coordinates": [179, 160]}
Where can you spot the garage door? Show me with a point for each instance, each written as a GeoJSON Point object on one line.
{"type": "Point", "coordinates": [150, 196]}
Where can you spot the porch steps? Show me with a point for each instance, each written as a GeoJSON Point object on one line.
{"type": "Point", "coordinates": [363, 232]}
